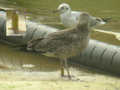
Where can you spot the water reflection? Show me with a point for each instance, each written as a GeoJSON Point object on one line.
{"type": "Point", "coordinates": [15, 59]}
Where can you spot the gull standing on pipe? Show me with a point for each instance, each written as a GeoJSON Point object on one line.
{"type": "Point", "coordinates": [69, 18]}
{"type": "Point", "coordinates": [65, 43]}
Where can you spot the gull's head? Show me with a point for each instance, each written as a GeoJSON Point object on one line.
{"type": "Point", "coordinates": [100, 21]}
{"type": "Point", "coordinates": [83, 22]}
{"type": "Point", "coordinates": [64, 8]}
{"type": "Point", "coordinates": [96, 21]}
{"type": "Point", "coordinates": [84, 18]}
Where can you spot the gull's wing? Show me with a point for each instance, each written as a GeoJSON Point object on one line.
{"type": "Point", "coordinates": [76, 13]}
{"type": "Point", "coordinates": [52, 42]}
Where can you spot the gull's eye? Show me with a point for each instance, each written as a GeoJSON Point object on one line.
{"type": "Point", "coordinates": [62, 8]}
{"type": "Point", "coordinates": [67, 8]}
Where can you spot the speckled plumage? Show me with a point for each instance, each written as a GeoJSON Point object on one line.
{"type": "Point", "coordinates": [65, 43]}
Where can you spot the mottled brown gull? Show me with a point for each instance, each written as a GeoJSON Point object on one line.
{"type": "Point", "coordinates": [65, 43]}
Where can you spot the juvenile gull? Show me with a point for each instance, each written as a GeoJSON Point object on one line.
{"type": "Point", "coordinates": [65, 43]}
{"type": "Point", "coordinates": [69, 18]}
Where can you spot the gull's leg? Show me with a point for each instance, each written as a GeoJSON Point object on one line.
{"type": "Point", "coordinates": [67, 68]}
{"type": "Point", "coordinates": [62, 67]}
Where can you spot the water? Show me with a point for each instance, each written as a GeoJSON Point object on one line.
{"type": "Point", "coordinates": [41, 12]}
{"type": "Point", "coordinates": [14, 59]}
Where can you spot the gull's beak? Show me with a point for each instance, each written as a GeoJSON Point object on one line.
{"type": "Point", "coordinates": [102, 23]}
{"type": "Point", "coordinates": [55, 11]}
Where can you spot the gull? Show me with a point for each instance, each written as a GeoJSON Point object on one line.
{"type": "Point", "coordinates": [69, 18]}
{"type": "Point", "coordinates": [64, 43]}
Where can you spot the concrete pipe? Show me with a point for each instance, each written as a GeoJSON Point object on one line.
{"type": "Point", "coordinates": [100, 55]}
{"type": "Point", "coordinates": [34, 31]}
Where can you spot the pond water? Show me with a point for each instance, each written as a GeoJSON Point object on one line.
{"type": "Point", "coordinates": [40, 11]}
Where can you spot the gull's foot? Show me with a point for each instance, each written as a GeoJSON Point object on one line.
{"type": "Point", "coordinates": [73, 78]}
{"type": "Point", "coordinates": [70, 77]}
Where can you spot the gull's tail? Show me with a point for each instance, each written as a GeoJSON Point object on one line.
{"type": "Point", "coordinates": [31, 44]}
{"type": "Point", "coordinates": [20, 47]}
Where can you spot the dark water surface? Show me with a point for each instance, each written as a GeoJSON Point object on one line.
{"type": "Point", "coordinates": [11, 58]}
